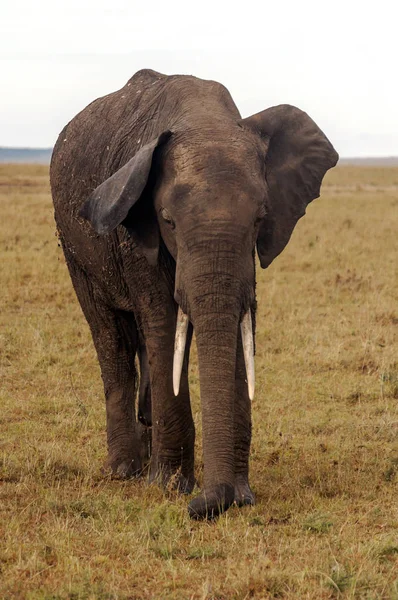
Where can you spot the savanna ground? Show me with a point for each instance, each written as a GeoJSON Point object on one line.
{"type": "Point", "coordinates": [324, 461]}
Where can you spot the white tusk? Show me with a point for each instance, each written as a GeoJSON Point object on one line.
{"type": "Point", "coordinates": [179, 349]}
{"type": "Point", "coordinates": [246, 330]}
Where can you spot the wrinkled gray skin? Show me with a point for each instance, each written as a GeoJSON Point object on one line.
{"type": "Point", "coordinates": [161, 193]}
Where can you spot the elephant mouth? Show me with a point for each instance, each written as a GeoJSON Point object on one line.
{"type": "Point", "coordinates": [246, 329]}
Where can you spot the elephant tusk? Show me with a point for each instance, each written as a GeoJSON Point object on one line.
{"type": "Point", "coordinates": [246, 330]}
{"type": "Point", "coordinates": [179, 349]}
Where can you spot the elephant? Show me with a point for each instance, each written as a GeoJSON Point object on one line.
{"type": "Point", "coordinates": [162, 193]}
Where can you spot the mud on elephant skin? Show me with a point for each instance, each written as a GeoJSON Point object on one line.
{"type": "Point", "coordinates": [162, 192]}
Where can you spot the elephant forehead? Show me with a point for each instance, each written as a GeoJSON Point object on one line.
{"type": "Point", "coordinates": [207, 150]}
{"type": "Point", "coordinates": [196, 166]}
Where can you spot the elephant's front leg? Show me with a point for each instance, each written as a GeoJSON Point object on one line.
{"type": "Point", "coordinates": [173, 433]}
{"type": "Point", "coordinates": [243, 431]}
{"type": "Point", "coordinates": [115, 338]}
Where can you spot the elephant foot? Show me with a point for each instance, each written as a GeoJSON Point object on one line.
{"type": "Point", "coordinates": [243, 494]}
{"type": "Point", "coordinates": [181, 484]}
{"type": "Point", "coordinates": [123, 468]}
{"type": "Point", "coordinates": [212, 503]}
{"type": "Point", "coordinates": [173, 480]}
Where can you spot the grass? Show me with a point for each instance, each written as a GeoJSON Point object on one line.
{"type": "Point", "coordinates": [325, 447]}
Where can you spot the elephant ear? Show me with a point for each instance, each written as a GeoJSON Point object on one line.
{"type": "Point", "coordinates": [298, 156]}
{"type": "Point", "coordinates": [110, 203]}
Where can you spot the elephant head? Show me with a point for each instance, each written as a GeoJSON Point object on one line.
{"type": "Point", "coordinates": [214, 193]}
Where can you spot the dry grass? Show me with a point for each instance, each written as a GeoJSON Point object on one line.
{"type": "Point", "coordinates": [325, 448]}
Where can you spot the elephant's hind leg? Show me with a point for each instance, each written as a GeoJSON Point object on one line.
{"type": "Point", "coordinates": [144, 394]}
{"type": "Point", "coordinates": [144, 403]}
{"type": "Point", "coordinates": [116, 348]}
{"type": "Point", "coordinates": [115, 338]}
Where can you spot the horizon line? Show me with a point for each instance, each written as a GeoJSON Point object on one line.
{"type": "Point", "coordinates": [350, 157]}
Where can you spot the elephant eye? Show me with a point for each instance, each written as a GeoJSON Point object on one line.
{"type": "Point", "coordinates": [167, 217]}
{"type": "Point", "coordinates": [260, 216]}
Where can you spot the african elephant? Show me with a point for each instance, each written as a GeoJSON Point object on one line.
{"type": "Point", "coordinates": [162, 193]}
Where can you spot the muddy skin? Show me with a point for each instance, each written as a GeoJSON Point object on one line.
{"type": "Point", "coordinates": [161, 195]}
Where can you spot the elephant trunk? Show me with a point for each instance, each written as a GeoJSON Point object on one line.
{"type": "Point", "coordinates": [216, 293]}
{"type": "Point", "coordinates": [216, 338]}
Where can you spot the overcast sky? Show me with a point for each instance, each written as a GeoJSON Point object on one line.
{"type": "Point", "coordinates": [335, 60]}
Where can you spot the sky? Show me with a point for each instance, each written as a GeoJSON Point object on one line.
{"type": "Point", "coordinates": [335, 60]}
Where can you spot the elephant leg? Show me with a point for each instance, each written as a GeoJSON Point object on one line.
{"type": "Point", "coordinates": [173, 432]}
{"type": "Point", "coordinates": [144, 395]}
{"type": "Point", "coordinates": [144, 402]}
{"type": "Point", "coordinates": [243, 431]}
{"type": "Point", "coordinates": [115, 338]}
